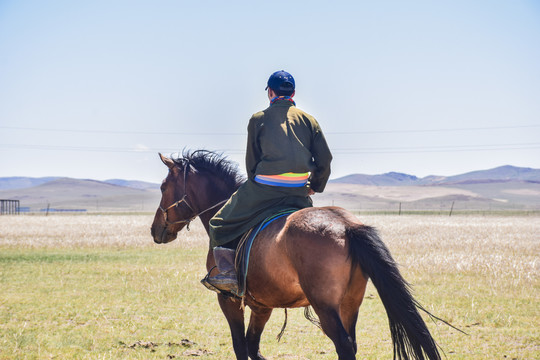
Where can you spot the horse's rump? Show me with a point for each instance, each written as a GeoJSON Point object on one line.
{"type": "Point", "coordinates": [307, 251]}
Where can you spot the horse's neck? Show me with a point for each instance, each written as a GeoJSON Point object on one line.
{"type": "Point", "coordinates": [213, 200]}
{"type": "Point", "coordinates": [205, 219]}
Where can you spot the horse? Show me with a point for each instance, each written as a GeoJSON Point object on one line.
{"type": "Point", "coordinates": [321, 257]}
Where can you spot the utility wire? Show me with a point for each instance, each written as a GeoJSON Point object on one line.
{"type": "Point", "coordinates": [121, 132]}
{"type": "Point", "coordinates": [433, 130]}
{"type": "Point", "coordinates": [373, 150]}
{"type": "Point", "coordinates": [133, 132]}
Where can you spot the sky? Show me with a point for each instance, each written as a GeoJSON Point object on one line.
{"type": "Point", "coordinates": [95, 89]}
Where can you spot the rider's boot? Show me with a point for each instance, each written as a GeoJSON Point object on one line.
{"type": "Point", "coordinates": [226, 280]}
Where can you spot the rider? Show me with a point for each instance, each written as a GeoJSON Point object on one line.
{"type": "Point", "coordinates": [287, 159]}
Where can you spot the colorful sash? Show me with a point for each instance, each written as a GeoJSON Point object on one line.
{"type": "Point", "coordinates": [285, 180]}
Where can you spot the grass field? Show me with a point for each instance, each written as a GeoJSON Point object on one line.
{"type": "Point", "coordinates": [96, 287]}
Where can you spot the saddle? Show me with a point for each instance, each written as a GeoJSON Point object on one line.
{"type": "Point", "coordinates": [243, 251]}
{"type": "Point", "coordinates": [244, 248]}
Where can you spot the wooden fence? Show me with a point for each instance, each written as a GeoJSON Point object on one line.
{"type": "Point", "coordinates": [9, 207]}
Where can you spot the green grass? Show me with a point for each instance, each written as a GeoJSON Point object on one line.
{"type": "Point", "coordinates": [140, 302]}
{"type": "Point", "coordinates": [95, 303]}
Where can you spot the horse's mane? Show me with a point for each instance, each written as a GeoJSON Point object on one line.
{"type": "Point", "coordinates": [212, 162]}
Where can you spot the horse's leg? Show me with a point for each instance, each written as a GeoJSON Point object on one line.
{"type": "Point", "coordinates": [351, 303]}
{"type": "Point", "coordinates": [349, 323]}
{"type": "Point", "coordinates": [327, 282]}
{"type": "Point", "coordinates": [257, 321]}
{"type": "Point", "coordinates": [337, 307]}
{"type": "Point", "coordinates": [333, 328]}
{"type": "Point", "coordinates": [235, 317]}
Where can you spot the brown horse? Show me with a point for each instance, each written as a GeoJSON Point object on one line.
{"type": "Point", "coordinates": [321, 257]}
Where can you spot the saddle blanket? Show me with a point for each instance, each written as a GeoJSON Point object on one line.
{"type": "Point", "coordinates": [244, 248]}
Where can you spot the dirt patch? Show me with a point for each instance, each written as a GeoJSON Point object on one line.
{"type": "Point", "coordinates": [199, 352]}
{"type": "Point", "coordinates": [184, 343]}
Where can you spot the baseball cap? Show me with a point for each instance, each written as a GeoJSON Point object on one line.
{"type": "Point", "coordinates": [281, 81]}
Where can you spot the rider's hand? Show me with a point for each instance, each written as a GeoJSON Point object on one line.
{"type": "Point", "coordinates": [311, 192]}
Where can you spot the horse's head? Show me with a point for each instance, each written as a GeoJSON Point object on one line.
{"type": "Point", "coordinates": [197, 185]}
{"type": "Point", "coordinates": [175, 211]}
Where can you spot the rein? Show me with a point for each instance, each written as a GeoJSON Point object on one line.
{"type": "Point", "coordinates": [183, 200]}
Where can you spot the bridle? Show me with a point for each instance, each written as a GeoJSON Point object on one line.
{"type": "Point", "coordinates": [184, 200]}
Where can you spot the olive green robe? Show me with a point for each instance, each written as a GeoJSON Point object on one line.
{"type": "Point", "coordinates": [281, 139]}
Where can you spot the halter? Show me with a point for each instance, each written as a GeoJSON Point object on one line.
{"type": "Point", "coordinates": [183, 200]}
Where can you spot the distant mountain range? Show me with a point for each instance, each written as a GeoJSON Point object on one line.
{"type": "Point", "coordinates": [58, 193]}
{"type": "Point", "coordinates": [502, 188]}
{"type": "Point", "coordinates": [133, 184]}
{"type": "Point", "coordinates": [499, 174]}
{"type": "Point", "coordinates": [7, 183]}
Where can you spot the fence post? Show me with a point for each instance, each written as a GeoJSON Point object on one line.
{"type": "Point", "coordinates": [9, 207]}
{"type": "Point", "coordinates": [451, 208]}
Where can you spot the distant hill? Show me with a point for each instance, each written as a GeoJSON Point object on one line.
{"type": "Point", "coordinates": [499, 174]}
{"type": "Point", "coordinates": [92, 195]}
{"type": "Point", "coordinates": [133, 184]}
{"type": "Point", "coordinates": [502, 188]}
{"type": "Point", "coordinates": [502, 195]}
{"type": "Point", "coordinates": [18, 182]}
{"type": "Point", "coordinates": [502, 173]}
{"type": "Point", "coordinates": [388, 179]}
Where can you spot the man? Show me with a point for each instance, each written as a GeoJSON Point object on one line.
{"type": "Point", "coordinates": [287, 159]}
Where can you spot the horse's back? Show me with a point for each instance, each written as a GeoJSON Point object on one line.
{"type": "Point", "coordinates": [327, 223]}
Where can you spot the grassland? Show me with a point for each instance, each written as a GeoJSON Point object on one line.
{"type": "Point", "coordinates": [96, 287]}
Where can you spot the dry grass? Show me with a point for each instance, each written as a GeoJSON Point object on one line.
{"type": "Point", "coordinates": [81, 286]}
{"type": "Point", "coordinates": [85, 231]}
{"type": "Point", "coordinates": [503, 248]}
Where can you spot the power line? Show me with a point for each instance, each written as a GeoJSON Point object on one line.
{"type": "Point", "coordinates": [366, 132]}
{"type": "Point", "coordinates": [371, 150]}
{"type": "Point", "coordinates": [120, 132]}
{"type": "Point", "coordinates": [442, 148]}
{"type": "Point", "coordinates": [449, 149]}
{"type": "Point", "coordinates": [432, 130]}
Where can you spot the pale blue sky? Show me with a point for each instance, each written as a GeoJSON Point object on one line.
{"type": "Point", "coordinates": [94, 89]}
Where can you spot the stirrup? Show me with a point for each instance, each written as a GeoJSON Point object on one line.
{"type": "Point", "coordinates": [205, 281]}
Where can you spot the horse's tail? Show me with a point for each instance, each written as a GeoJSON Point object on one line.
{"type": "Point", "coordinates": [410, 336]}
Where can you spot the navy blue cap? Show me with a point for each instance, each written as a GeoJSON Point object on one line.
{"type": "Point", "coordinates": [281, 81]}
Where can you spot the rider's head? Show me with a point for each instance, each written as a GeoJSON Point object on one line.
{"type": "Point", "coordinates": [281, 83]}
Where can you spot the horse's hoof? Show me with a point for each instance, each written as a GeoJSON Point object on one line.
{"type": "Point", "coordinates": [257, 357]}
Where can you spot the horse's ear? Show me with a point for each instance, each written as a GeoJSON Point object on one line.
{"type": "Point", "coordinates": [167, 161]}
